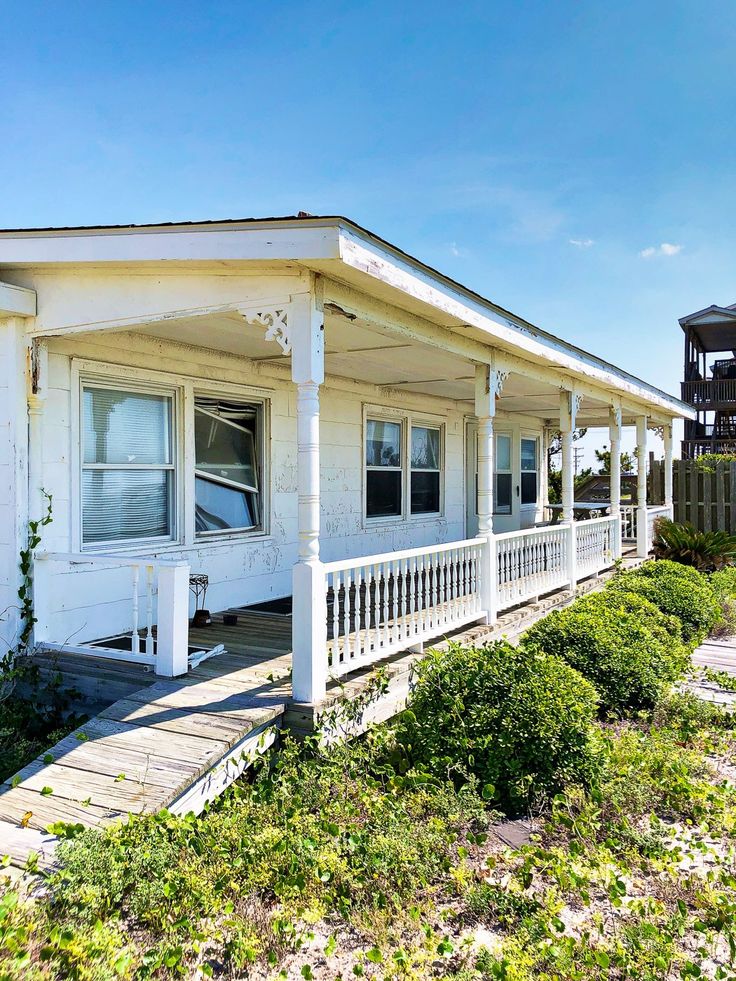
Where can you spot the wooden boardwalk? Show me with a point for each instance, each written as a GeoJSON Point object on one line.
{"type": "Point", "coordinates": [171, 743]}
{"type": "Point", "coordinates": [718, 655]}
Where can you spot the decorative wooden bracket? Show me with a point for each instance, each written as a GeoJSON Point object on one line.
{"type": "Point", "coordinates": [275, 320]}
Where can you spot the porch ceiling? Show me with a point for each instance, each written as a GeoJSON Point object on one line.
{"type": "Point", "coordinates": [360, 351]}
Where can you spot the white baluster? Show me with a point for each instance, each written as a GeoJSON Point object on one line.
{"type": "Point", "coordinates": [135, 641]}
{"type": "Point", "coordinates": [150, 649]}
{"type": "Point", "coordinates": [336, 659]}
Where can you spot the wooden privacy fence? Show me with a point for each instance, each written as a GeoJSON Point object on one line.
{"type": "Point", "coordinates": [705, 498]}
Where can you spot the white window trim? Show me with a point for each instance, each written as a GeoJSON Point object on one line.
{"type": "Point", "coordinates": [536, 438]}
{"type": "Point", "coordinates": [185, 387]}
{"type": "Point", "coordinates": [508, 434]}
{"type": "Point", "coordinates": [382, 413]}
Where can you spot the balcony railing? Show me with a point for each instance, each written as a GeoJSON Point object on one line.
{"type": "Point", "coordinates": [709, 392]}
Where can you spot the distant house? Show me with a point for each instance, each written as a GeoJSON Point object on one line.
{"type": "Point", "coordinates": [291, 407]}
{"type": "Point", "coordinates": [709, 383]}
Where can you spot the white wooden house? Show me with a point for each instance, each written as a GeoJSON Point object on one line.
{"type": "Point", "coordinates": [291, 407]}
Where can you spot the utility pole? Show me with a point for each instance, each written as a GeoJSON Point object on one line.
{"type": "Point", "coordinates": [577, 455]}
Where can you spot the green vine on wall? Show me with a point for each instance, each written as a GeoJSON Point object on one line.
{"type": "Point", "coordinates": [25, 590]}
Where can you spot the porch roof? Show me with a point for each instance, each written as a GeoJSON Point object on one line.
{"type": "Point", "coordinates": [337, 247]}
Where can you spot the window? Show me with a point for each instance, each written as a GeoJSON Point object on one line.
{"type": "Point", "coordinates": [384, 472]}
{"type": "Point", "coordinates": [127, 465]}
{"type": "Point", "coordinates": [503, 502]}
{"type": "Point", "coordinates": [425, 470]}
{"type": "Point", "coordinates": [227, 481]}
{"type": "Point", "coordinates": [528, 471]}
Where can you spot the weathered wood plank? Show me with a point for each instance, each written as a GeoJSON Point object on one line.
{"type": "Point", "coordinates": [154, 715]}
{"type": "Point", "coordinates": [104, 790]}
{"type": "Point", "coordinates": [732, 496]}
{"type": "Point", "coordinates": [19, 844]}
{"type": "Point", "coordinates": [720, 497]}
{"type": "Point", "coordinates": [694, 498]}
{"type": "Point", "coordinates": [43, 811]}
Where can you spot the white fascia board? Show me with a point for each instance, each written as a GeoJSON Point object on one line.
{"type": "Point", "coordinates": [274, 242]}
{"type": "Point", "coordinates": [417, 281]}
{"type": "Point", "coordinates": [17, 301]}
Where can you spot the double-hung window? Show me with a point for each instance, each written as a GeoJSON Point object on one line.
{"type": "Point", "coordinates": [403, 468]}
{"type": "Point", "coordinates": [425, 469]}
{"type": "Point", "coordinates": [227, 470]}
{"type": "Point", "coordinates": [128, 465]}
{"type": "Point", "coordinates": [384, 469]}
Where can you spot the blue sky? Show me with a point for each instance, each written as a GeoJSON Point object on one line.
{"type": "Point", "coordinates": [571, 160]}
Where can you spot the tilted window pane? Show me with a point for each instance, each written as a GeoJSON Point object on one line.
{"type": "Point", "coordinates": [503, 493]}
{"type": "Point", "coordinates": [528, 454]}
{"type": "Point", "coordinates": [383, 493]}
{"type": "Point", "coordinates": [225, 450]}
{"type": "Point", "coordinates": [126, 427]}
{"type": "Point", "coordinates": [425, 492]}
{"type": "Point", "coordinates": [425, 448]}
{"type": "Point", "coordinates": [528, 488]}
{"type": "Point", "coordinates": [383, 444]}
{"type": "Point", "coordinates": [503, 452]}
{"type": "Point", "coordinates": [219, 507]}
{"type": "Point", "coordinates": [121, 504]}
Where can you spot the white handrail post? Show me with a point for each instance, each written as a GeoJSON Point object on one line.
{"type": "Point", "coordinates": [668, 488]}
{"type": "Point", "coordinates": [614, 430]}
{"type": "Point", "coordinates": [642, 525]}
{"type": "Point", "coordinates": [489, 380]}
{"type": "Point", "coordinates": [172, 630]}
{"type": "Point", "coordinates": [309, 587]}
{"type": "Point", "coordinates": [572, 555]}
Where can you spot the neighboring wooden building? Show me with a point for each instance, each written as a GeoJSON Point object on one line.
{"type": "Point", "coordinates": [294, 408]}
{"type": "Point", "coordinates": [709, 383]}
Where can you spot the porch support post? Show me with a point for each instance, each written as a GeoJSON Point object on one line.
{"type": "Point", "coordinates": [614, 432]}
{"type": "Point", "coordinates": [488, 383]}
{"type": "Point", "coordinates": [569, 405]}
{"type": "Point", "coordinates": [668, 494]}
{"type": "Point", "coordinates": [642, 529]}
{"type": "Point", "coordinates": [309, 615]}
{"type": "Point", "coordinates": [172, 620]}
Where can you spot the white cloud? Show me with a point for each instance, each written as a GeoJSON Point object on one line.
{"type": "Point", "coordinates": [666, 248]}
{"type": "Point", "coordinates": [581, 243]}
{"type": "Point", "coordinates": [458, 250]}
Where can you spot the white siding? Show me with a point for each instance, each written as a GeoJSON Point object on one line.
{"type": "Point", "coordinates": [13, 473]}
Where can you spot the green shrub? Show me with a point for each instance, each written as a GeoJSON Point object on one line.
{"type": "Point", "coordinates": [520, 722]}
{"type": "Point", "coordinates": [677, 590]}
{"type": "Point", "coordinates": [723, 583]}
{"type": "Point", "coordinates": [620, 642]}
{"type": "Point", "coordinates": [685, 544]}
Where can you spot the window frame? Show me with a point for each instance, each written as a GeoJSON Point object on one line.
{"type": "Point", "coordinates": [166, 391]}
{"type": "Point", "coordinates": [259, 444]}
{"type": "Point", "coordinates": [185, 387]}
{"type": "Point", "coordinates": [509, 435]}
{"type": "Point", "coordinates": [439, 429]}
{"type": "Point", "coordinates": [532, 438]}
{"type": "Point", "coordinates": [407, 419]}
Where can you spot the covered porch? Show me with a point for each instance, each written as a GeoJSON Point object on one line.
{"type": "Point", "coordinates": [352, 605]}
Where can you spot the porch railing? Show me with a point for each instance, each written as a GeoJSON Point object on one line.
{"type": "Point", "coordinates": [654, 512]}
{"type": "Point", "coordinates": [380, 604]}
{"type": "Point", "coordinates": [150, 621]}
{"type": "Point", "coordinates": [595, 545]}
{"type": "Point", "coordinates": [531, 563]}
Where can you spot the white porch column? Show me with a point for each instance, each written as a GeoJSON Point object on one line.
{"type": "Point", "coordinates": [668, 494]}
{"type": "Point", "coordinates": [488, 383]}
{"type": "Point", "coordinates": [614, 433]}
{"type": "Point", "coordinates": [569, 405]}
{"type": "Point", "coordinates": [642, 529]}
{"type": "Point", "coordinates": [309, 614]}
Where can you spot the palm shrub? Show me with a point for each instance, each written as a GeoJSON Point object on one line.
{"type": "Point", "coordinates": [622, 643]}
{"type": "Point", "coordinates": [519, 721]}
{"type": "Point", "coordinates": [677, 590]}
{"type": "Point", "coordinates": [684, 543]}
